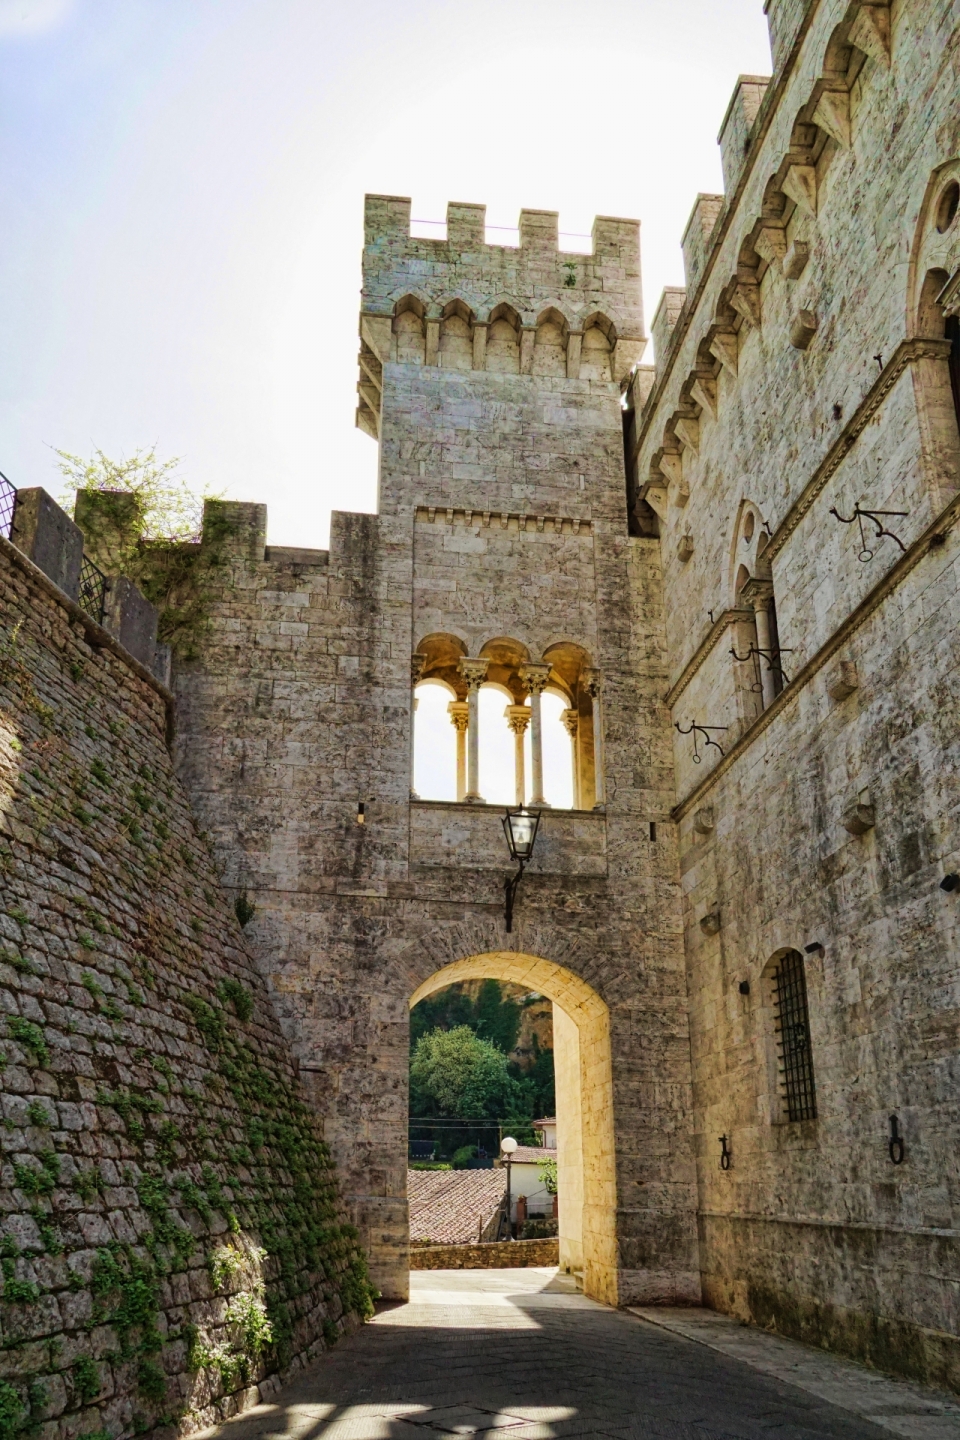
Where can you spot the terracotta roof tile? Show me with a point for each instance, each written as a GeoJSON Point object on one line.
{"type": "Point", "coordinates": [447, 1206]}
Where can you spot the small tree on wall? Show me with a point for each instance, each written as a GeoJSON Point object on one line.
{"type": "Point", "coordinates": [141, 519]}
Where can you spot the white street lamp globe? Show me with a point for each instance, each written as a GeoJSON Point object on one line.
{"type": "Point", "coordinates": [508, 1144]}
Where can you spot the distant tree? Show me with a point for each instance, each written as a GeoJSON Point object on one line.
{"type": "Point", "coordinates": [539, 1082]}
{"type": "Point", "coordinates": [456, 1073]}
{"type": "Point", "coordinates": [493, 1016]}
{"type": "Point", "coordinates": [548, 1174]}
{"type": "Point", "coordinates": [497, 1016]}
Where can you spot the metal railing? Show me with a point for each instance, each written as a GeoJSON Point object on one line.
{"type": "Point", "coordinates": [93, 590]}
{"type": "Point", "coordinates": [92, 596]}
{"type": "Point", "coordinates": [8, 500]}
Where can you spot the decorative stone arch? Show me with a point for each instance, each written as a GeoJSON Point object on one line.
{"type": "Point", "coordinates": [409, 331]}
{"type": "Point", "coordinates": [437, 657]}
{"type": "Point", "coordinates": [503, 339]}
{"type": "Point", "coordinates": [550, 344]}
{"type": "Point", "coordinates": [933, 321]}
{"type": "Point", "coordinates": [455, 347]}
{"type": "Point", "coordinates": [597, 347]}
{"type": "Point", "coordinates": [585, 1121]}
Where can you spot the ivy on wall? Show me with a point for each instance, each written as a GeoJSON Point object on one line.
{"type": "Point", "coordinates": [172, 1232]}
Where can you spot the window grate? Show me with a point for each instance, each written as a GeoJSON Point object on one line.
{"type": "Point", "coordinates": [93, 589]}
{"type": "Point", "coordinates": [793, 1038]}
{"type": "Point", "coordinates": [8, 500]}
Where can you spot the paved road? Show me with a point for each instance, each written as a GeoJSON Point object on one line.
{"type": "Point", "coordinates": [520, 1355]}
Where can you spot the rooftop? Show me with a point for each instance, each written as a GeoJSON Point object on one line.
{"type": "Point", "coordinates": [450, 1207]}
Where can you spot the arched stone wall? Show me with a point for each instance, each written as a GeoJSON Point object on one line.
{"type": "Point", "coordinates": [585, 1107]}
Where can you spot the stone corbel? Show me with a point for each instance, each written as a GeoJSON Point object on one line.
{"type": "Point", "coordinates": [671, 466]}
{"type": "Point", "coordinates": [528, 339]}
{"type": "Point", "coordinates": [795, 260]}
{"type": "Point", "coordinates": [685, 547]}
{"type": "Point", "coordinates": [771, 245]}
{"type": "Point", "coordinates": [704, 392]}
{"type": "Point", "coordinates": [371, 395]}
{"type": "Point", "coordinates": [745, 299]}
{"type": "Point", "coordinates": [655, 494]}
{"type": "Point", "coordinates": [800, 185]}
{"type": "Point", "coordinates": [377, 331]}
{"type": "Point", "coordinates": [367, 422]}
{"type": "Point", "coordinates": [687, 431]}
{"type": "Point", "coordinates": [842, 680]}
{"type": "Point", "coordinates": [870, 31]}
{"type": "Point", "coordinates": [832, 113]}
{"type": "Point", "coordinates": [480, 345]}
{"type": "Point", "coordinates": [725, 347]}
{"type": "Point", "coordinates": [432, 356]}
{"type": "Point", "coordinates": [859, 816]}
{"type": "Point", "coordinates": [803, 329]}
{"type": "Point", "coordinates": [574, 345]}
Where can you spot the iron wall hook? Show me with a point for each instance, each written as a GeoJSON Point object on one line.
{"type": "Point", "coordinates": [896, 1146]}
{"type": "Point", "coordinates": [725, 1153]}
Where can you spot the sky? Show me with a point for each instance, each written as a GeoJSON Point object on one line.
{"type": "Point", "coordinates": [182, 186]}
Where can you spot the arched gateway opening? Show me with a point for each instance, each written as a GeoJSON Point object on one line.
{"type": "Point", "coordinates": [586, 1179]}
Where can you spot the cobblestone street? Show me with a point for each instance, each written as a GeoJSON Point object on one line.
{"type": "Point", "coordinates": [522, 1354]}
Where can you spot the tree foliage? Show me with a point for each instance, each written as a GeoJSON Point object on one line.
{"type": "Point", "coordinates": [456, 1073]}
{"type": "Point", "coordinates": [166, 507]}
{"type": "Point", "coordinates": [141, 519]}
{"type": "Point", "coordinates": [492, 1015]}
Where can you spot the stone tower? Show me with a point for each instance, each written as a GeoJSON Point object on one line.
{"type": "Point", "coordinates": [490, 377]}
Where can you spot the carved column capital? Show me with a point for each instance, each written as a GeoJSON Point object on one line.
{"type": "Point", "coordinates": [593, 683]}
{"type": "Point", "coordinates": [571, 722]}
{"type": "Point", "coordinates": [459, 712]}
{"type": "Point", "coordinates": [757, 593]}
{"type": "Point", "coordinates": [474, 672]}
{"type": "Point", "coordinates": [518, 718]}
{"type": "Point", "coordinates": [535, 677]}
{"type": "Point", "coordinates": [417, 662]}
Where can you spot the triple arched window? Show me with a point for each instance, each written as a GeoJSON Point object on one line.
{"type": "Point", "coordinates": [502, 728]}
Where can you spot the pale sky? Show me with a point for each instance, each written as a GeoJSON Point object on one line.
{"type": "Point", "coordinates": [182, 186]}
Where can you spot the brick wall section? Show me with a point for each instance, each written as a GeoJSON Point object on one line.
{"type": "Point", "coordinates": [502, 1254]}
{"type": "Point", "coordinates": [164, 1194]}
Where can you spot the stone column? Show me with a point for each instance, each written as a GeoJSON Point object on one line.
{"type": "Point", "coordinates": [535, 679]}
{"type": "Point", "coordinates": [518, 718]}
{"type": "Point", "coordinates": [459, 711]}
{"type": "Point", "coordinates": [764, 645]}
{"type": "Point", "coordinates": [474, 672]}
{"type": "Point", "coordinates": [571, 723]}
{"type": "Point", "coordinates": [759, 594]}
{"type": "Point", "coordinates": [594, 690]}
{"type": "Point", "coordinates": [417, 663]}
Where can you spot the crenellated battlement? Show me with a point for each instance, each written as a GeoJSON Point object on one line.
{"type": "Point", "coordinates": [460, 303]}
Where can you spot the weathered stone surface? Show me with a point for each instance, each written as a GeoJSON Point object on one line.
{"type": "Point", "coordinates": [503, 1254]}
{"type": "Point", "coordinates": [159, 1164]}
{"type": "Point", "coordinates": [830, 778]}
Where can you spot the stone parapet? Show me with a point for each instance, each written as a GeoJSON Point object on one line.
{"type": "Point", "coordinates": [569, 842]}
{"type": "Point", "coordinates": [496, 1255]}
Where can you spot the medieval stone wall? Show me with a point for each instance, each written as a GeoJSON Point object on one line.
{"type": "Point", "coordinates": [808, 372]}
{"type": "Point", "coordinates": [492, 384]}
{"type": "Point", "coordinates": [170, 1235]}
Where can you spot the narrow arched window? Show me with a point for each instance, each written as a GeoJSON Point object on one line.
{"type": "Point", "coordinates": [792, 1024]}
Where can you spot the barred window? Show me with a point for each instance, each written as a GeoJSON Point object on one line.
{"type": "Point", "coordinates": [793, 1038]}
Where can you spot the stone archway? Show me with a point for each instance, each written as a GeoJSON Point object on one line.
{"type": "Point", "coordinates": [585, 1130]}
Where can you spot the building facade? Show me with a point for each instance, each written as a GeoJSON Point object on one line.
{"type": "Point", "coordinates": [738, 569]}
